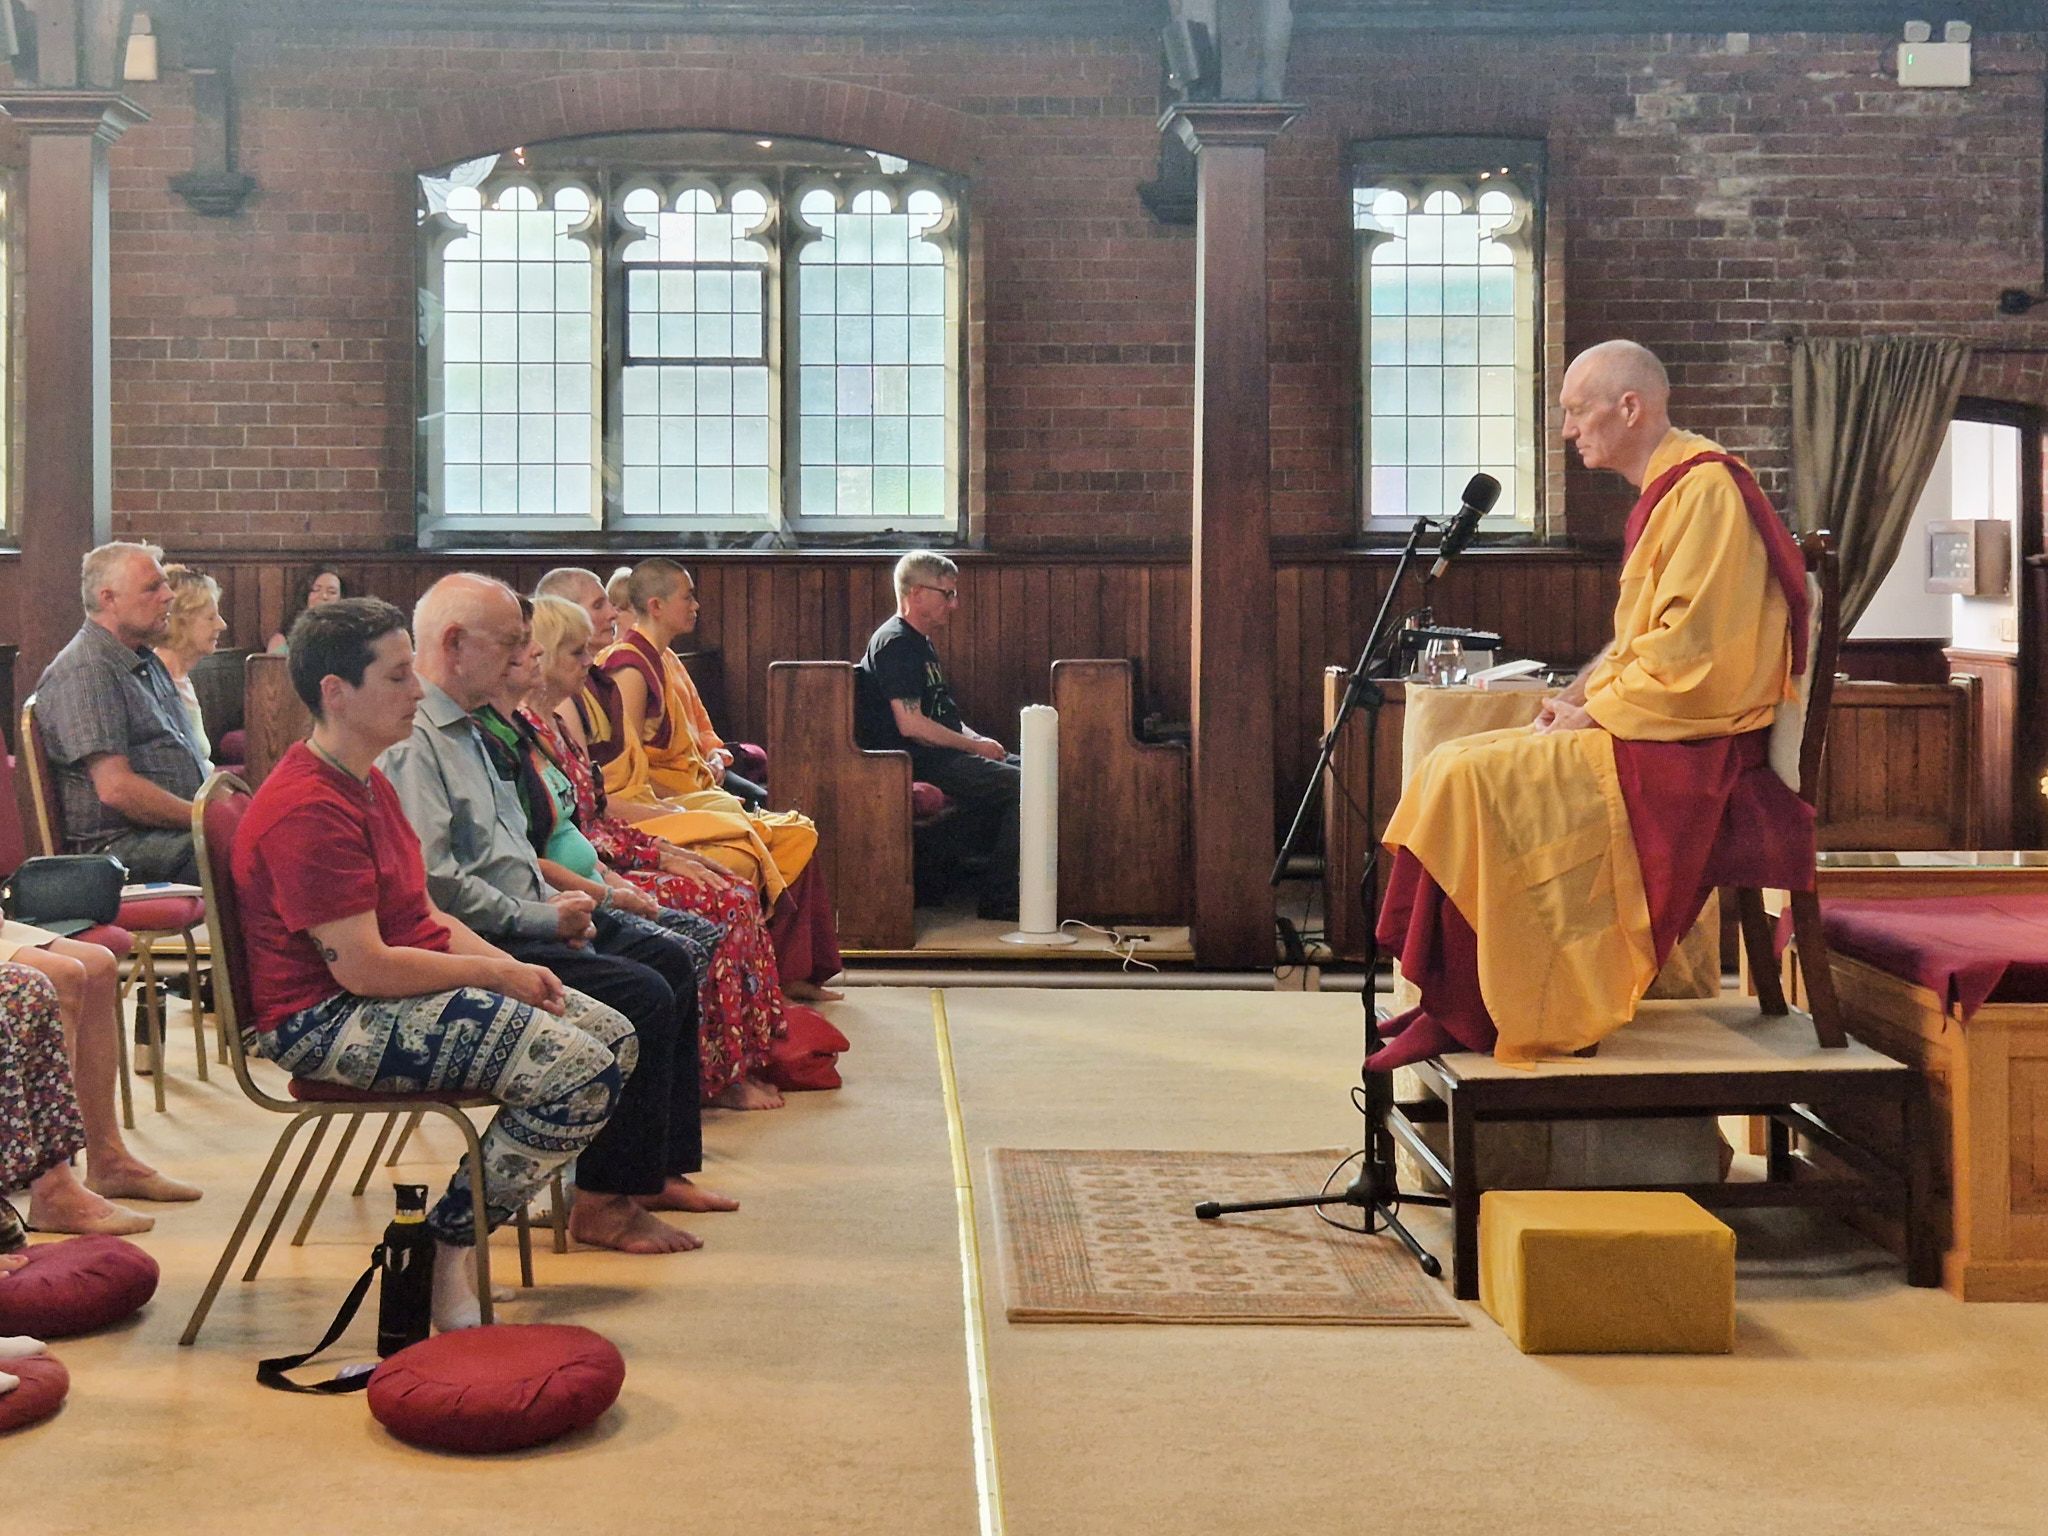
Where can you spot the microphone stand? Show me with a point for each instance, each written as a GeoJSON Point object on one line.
{"type": "Point", "coordinates": [1376, 1190]}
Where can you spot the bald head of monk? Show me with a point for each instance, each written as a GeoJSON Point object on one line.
{"type": "Point", "coordinates": [1617, 407]}
{"type": "Point", "coordinates": [466, 634]}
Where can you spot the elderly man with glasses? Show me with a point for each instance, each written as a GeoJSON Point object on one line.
{"type": "Point", "coordinates": [902, 704]}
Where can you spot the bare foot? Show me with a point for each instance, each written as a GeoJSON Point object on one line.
{"type": "Point", "coordinates": [811, 992]}
{"type": "Point", "coordinates": [616, 1222]}
{"type": "Point", "coordinates": [133, 1180]}
{"type": "Point", "coordinates": [79, 1212]}
{"type": "Point", "coordinates": [749, 1093]}
{"type": "Point", "coordinates": [679, 1194]}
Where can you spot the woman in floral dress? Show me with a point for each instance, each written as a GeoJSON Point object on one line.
{"type": "Point", "coordinates": [744, 1007]}
{"type": "Point", "coordinates": [40, 1127]}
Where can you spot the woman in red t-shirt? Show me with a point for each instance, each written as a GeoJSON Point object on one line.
{"type": "Point", "coordinates": [359, 979]}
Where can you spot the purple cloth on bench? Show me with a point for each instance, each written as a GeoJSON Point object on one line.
{"type": "Point", "coordinates": [1969, 950]}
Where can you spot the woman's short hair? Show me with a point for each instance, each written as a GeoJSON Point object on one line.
{"type": "Point", "coordinates": [338, 639]}
{"type": "Point", "coordinates": [192, 593]}
{"type": "Point", "coordinates": [559, 625]}
{"type": "Point", "coordinates": [617, 587]}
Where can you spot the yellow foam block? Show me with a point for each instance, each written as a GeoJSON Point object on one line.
{"type": "Point", "coordinates": [1599, 1271]}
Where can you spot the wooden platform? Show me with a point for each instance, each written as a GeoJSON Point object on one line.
{"type": "Point", "coordinates": [1988, 1083]}
{"type": "Point", "coordinates": [1681, 1059]}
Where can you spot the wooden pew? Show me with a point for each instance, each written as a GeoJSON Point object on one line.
{"type": "Point", "coordinates": [860, 801]}
{"type": "Point", "coordinates": [272, 716]}
{"type": "Point", "coordinates": [1899, 772]}
{"type": "Point", "coordinates": [1124, 813]}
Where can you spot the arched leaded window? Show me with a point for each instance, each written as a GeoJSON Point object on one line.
{"type": "Point", "coordinates": [1446, 235]}
{"type": "Point", "coordinates": [689, 334]}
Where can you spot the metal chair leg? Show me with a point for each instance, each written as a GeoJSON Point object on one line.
{"type": "Point", "coordinates": [376, 1151]}
{"type": "Point", "coordinates": [153, 1003]}
{"type": "Point", "coordinates": [121, 1048]}
{"type": "Point", "coordinates": [348, 1136]}
{"type": "Point", "coordinates": [235, 1239]}
{"type": "Point", "coordinates": [291, 1193]}
{"type": "Point", "coordinates": [192, 993]}
{"type": "Point", "coordinates": [480, 1211]}
{"type": "Point", "coordinates": [412, 1123]}
{"type": "Point", "coordinates": [560, 1213]}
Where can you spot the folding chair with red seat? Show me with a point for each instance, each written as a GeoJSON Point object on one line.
{"type": "Point", "coordinates": [216, 814]}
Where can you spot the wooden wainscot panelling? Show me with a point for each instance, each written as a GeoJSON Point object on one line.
{"type": "Point", "coordinates": [1123, 803]}
{"type": "Point", "coordinates": [860, 801]}
{"type": "Point", "coordinates": [1346, 833]}
{"type": "Point", "coordinates": [272, 716]}
{"type": "Point", "coordinates": [1018, 614]}
{"type": "Point", "coordinates": [1898, 771]}
{"type": "Point", "coordinates": [1894, 661]}
{"type": "Point", "coordinates": [1998, 739]}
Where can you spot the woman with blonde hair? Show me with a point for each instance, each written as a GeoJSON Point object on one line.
{"type": "Point", "coordinates": [196, 628]}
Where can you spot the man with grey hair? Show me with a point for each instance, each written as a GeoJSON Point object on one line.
{"type": "Point", "coordinates": [119, 739]}
{"type": "Point", "coordinates": [583, 588]}
{"type": "Point", "coordinates": [481, 869]}
{"type": "Point", "coordinates": [902, 704]}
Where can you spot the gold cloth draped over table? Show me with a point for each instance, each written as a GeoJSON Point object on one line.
{"type": "Point", "coordinates": [1433, 716]}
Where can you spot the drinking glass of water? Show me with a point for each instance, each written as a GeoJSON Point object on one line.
{"type": "Point", "coordinates": [1443, 663]}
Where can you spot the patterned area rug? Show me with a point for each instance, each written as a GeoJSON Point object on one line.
{"type": "Point", "coordinates": [1111, 1237]}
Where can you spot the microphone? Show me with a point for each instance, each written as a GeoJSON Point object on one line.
{"type": "Point", "coordinates": [1481, 492]}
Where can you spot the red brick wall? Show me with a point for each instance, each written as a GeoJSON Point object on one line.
{"type": "Point", "coordinates": [1709, 200]}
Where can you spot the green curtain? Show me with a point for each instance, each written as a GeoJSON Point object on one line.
{"type": "Point", "coordinates": [1868, 418]}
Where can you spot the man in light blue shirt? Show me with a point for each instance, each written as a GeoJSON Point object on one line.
{"type": "Point", "coordinates": [467, 633]}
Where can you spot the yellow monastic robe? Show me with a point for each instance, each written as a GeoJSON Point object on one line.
{"type": "Point", "coordinates": [668, 765]}
{"type": "Point", "coordinates": [1528, 835]}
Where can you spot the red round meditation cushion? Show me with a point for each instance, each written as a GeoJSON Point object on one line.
{"type": "Point", "coordinates": [926, 800]}
{"type": "Point", "coordinates": [501, 1388]}
{"type": "Point", "coordinates": [807, 1055]}
{"type": "Point", "coordinates": [44, 1382]}
{"type": "Point", "coordinates": [75, 1286]}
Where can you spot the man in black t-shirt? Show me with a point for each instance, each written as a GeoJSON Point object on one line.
{"type": "Point", "coordinates": [902, 704]}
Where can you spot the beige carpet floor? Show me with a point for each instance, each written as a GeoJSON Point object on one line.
{"type": "Point", "coordinates": [806, 1372]}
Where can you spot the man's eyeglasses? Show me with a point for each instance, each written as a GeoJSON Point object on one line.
{"type": "Point", "coordinates": [950, 594]}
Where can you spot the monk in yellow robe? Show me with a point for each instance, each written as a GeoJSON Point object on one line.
{"type": "Point", "coordinates": [658, 750]}
{"type": "Point", "coordinates": [1542, 875]}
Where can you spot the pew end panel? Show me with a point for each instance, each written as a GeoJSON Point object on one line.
{"type": "Point", "coordinates": [1123, 806]}
{"type": "Point", "coordinates": [859, 799]}
{"type": "Point", "coordinates": [1899, 769]}
{"type": "Point", "coordinates": [272, 715]}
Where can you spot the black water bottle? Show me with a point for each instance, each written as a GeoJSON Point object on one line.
{"type": "Point", "coordinates": [405, 1302]}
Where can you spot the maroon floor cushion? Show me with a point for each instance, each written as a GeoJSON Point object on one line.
{"type": "Point", "coordinates": [501, 1388]}
{"type": "Point", "coordinates": [44, 1382]}
{"type": "Point", "coordinates": [807, 1055]}
{"type": "Point", "coordinates": [76, 1286]}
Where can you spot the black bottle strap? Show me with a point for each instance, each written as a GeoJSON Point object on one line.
{"type": "Point", "coordinates": [353, 1378]}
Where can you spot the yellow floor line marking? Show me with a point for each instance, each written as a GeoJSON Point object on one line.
{"type": "Point", "coordinates": [988, 1479]}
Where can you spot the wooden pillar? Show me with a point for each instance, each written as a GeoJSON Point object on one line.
{"type": "Point", "coordinates": [1232, 649]}
{"type": "Point", "coordinates": [66, 463]}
